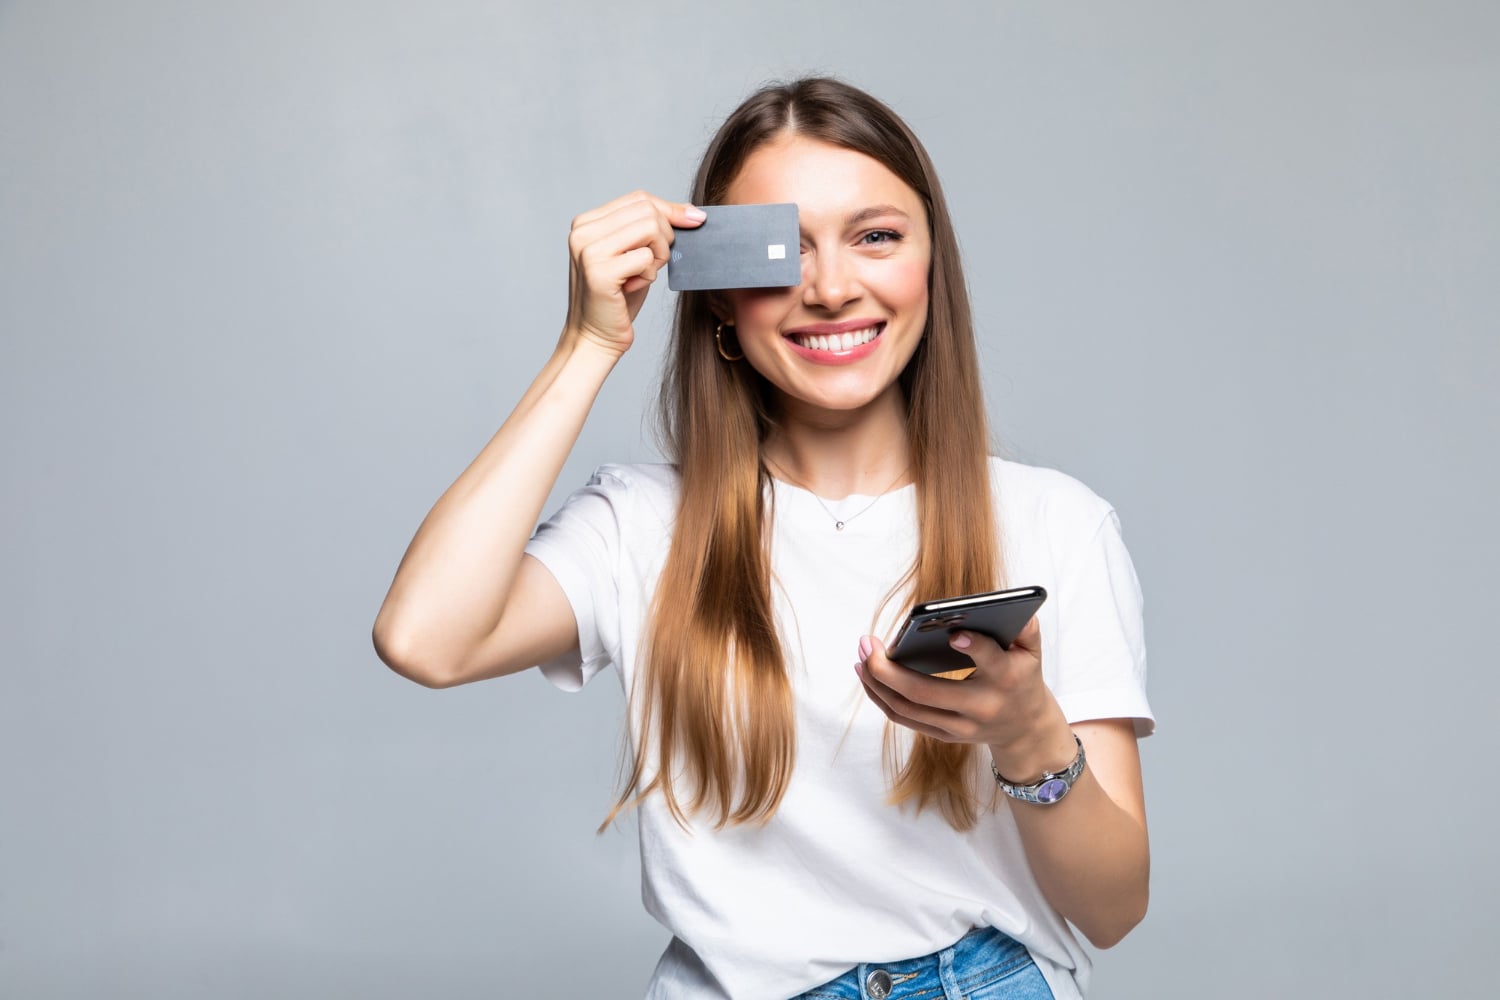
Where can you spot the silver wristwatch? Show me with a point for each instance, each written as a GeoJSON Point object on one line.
{"type": "Point", "coordinates": [1050, 789]}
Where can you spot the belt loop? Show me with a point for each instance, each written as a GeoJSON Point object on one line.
{"type": "Point", "coordinates": [945, 973]}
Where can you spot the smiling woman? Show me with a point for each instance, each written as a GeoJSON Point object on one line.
{"type": "Point", "coordinates": [801, 820]}
{"type": "Point", "coordinates": [841, 339]}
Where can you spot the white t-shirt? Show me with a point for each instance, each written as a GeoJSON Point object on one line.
{"type": "Point", "coordinates": [838, 876]}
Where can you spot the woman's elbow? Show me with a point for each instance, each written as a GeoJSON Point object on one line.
{"type": "Point", "coordinates": [1113, 927]}
{"type": "Point", "coordinates": [408, 663]}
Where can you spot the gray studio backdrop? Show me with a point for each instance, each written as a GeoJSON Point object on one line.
{"type": "Point", "coordinates": [272, 273]}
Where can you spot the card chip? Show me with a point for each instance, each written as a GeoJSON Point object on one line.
{"type": "Point", "coordinates": [775, 251]}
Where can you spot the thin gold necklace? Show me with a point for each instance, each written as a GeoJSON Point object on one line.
{"type": "Point", "coordinates": [838, 525]}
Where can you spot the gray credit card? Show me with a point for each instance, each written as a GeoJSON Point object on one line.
{"type": "Point", "coordinates": [738, 246]}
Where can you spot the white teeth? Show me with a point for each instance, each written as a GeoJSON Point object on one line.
{"type": "Point", "coordinates": [836, 342]}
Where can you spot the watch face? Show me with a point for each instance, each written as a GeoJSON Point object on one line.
{"type": "Point", "coordinates": [1051, 790]}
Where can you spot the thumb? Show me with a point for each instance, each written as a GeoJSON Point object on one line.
{"type": "Point", "coordinates": [1030, 637]}
{"type": "Point", "coordinates": [685, 216]}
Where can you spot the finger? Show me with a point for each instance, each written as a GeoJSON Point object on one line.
{"type": "Point", "coordinates": [680, 214]}
{"type": "Point", "coordinates": [684, 215]}
{"type": "Point", "coordinates": [1030, 638]}
{"type": "Point", "coordinates": [916, 687]}
{"type": "Point", "coordinates": [907, 693]}
{"type": "Point", "coordinates": [632, 227]}
{"type": "Point", "coordinates": [624, 221]}
{"type": "Point", "coordinates": [900, 711]}
{"type": "Point", "coordinates": [610, 207]}
{"type": "Point", "coordinates": [977, 646]}
{"type": "Point", "coordinates": [637, 284]}
{"type": "Point", "coordinates": [638, 266]}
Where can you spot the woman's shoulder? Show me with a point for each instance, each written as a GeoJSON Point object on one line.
{"type": "Point", "coordinates": [647, 477]}
{"type": "Point", "coordinates": [1033, 490]}
{"type": "Point", "coordinates": [635, 491]}
{"type": "Point", "coordinates": [636, 500]}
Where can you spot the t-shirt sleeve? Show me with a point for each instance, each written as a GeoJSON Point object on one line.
{"type": "Point", "coordinates": [580, 546]}
{"type": "Point", "coordinates": [1101, 647]}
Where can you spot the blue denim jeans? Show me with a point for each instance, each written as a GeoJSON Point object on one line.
{"type": "Point", "coordinates": [984, 964]}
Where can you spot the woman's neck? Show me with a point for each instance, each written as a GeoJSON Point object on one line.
{"type": "Point", "coordinates": [836, 454]}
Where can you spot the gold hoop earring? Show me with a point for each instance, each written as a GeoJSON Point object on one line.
{"type": "Point", "coordinates": [719, 341]}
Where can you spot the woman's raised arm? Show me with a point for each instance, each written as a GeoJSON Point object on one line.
{"type": "Point", "coordinates": [466, 603]}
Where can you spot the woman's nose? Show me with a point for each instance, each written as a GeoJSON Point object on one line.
{"type": "Point", "coordinates": [828, 281]}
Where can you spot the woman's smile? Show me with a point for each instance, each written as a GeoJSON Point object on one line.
{"type": "Point", "coordinates": [836, 343]}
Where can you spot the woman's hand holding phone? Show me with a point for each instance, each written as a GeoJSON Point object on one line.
{"type": "Point", "coordinates": [1003, 700]}
{"type": "Point", "coordinates": [922, 644]}
{"type": "Point", "coordinates": [615, 252]}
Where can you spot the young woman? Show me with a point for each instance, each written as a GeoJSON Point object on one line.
{"type": "Point", "coordinates": [808, 828]}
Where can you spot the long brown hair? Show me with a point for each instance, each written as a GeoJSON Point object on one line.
{"type": "Point", "coordinates": [714, 701]}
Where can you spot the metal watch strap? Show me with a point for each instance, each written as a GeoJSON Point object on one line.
{"type": "Point", "coordinates": [1050, 788]}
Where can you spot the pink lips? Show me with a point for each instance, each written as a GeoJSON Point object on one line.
{"type": "Point", "coordinates": [820, 339]}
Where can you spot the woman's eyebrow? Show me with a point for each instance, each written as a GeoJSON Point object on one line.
{"type": "Point", "coordinates": [874, 212]}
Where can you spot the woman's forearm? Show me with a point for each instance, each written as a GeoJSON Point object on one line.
{"type": "Point", "coordinates": [1089, 852]}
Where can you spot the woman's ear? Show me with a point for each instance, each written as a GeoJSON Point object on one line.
{"type": "Point", "coordinates": [721, 308]}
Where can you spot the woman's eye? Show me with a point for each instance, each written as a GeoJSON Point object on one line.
{"type": "Point", "coordinates": [879, 236]}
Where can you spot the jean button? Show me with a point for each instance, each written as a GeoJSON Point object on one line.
{"type": "Point", "coordinates": [878, 984]}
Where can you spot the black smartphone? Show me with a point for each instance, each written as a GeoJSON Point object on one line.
{"type": "Point", "coordinates": [922, 643]}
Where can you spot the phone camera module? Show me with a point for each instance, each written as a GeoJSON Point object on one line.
{"type": "Point", "coordinates": [945, 622]}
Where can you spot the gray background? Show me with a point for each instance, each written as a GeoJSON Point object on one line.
{"type": "Point", "coordinates": [271, 274]}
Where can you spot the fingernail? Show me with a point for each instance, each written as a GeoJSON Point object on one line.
{"type": "Point", "coordinates": [865, 648]}
{"type": "Point", "coordinates": [960, 640]}
{"type": "Point", "coordinates": [695, 213]}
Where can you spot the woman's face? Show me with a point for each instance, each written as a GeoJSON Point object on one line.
{"type": "Point", "coordinates": [838, 341]}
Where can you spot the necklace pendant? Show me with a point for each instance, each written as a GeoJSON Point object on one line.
{"type": "Point", "coordinates": [838, 525]}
